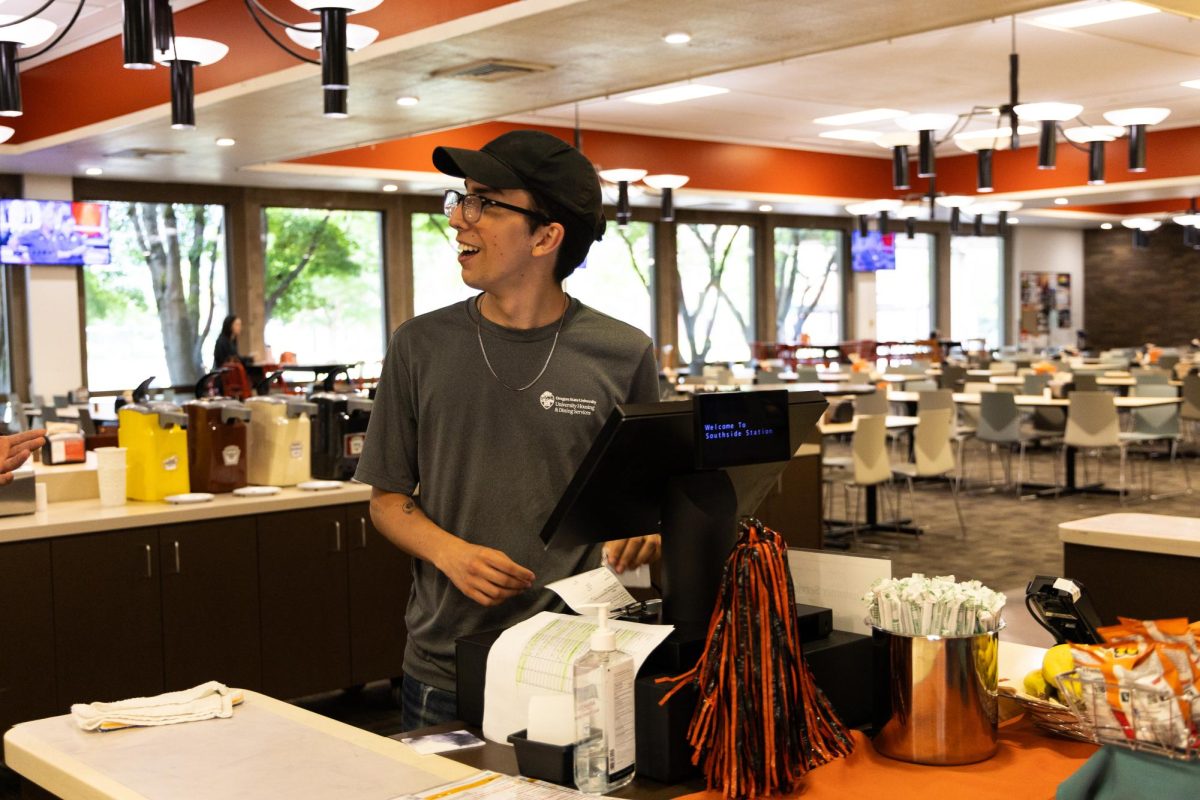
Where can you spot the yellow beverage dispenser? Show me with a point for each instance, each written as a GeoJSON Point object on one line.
{"type": "Point", "coordinates": [280, 451]}
{"type": "Point", "coordinates": [156, 450]}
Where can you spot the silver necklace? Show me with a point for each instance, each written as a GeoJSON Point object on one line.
{"type": "Point", "coordinates": [486, 360]}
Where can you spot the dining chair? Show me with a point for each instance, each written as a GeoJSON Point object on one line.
{"type": "Point", "coordinates": [1084, 382]}
{"type": "Point", "coordinates": [1158, 424]}
{"type": "Point", "coordinates": [1092, 425]}
{"type": "Point", "coordinates": [869, 467]}
{"type": "Point", "coordinates": [952, 377]}
{"type": "Point", "coordinates": [1190, 409]}
{"type": "Point", "coordinates": [807, 375]}
{"type": "Point", "coordinates": [1000, 424]}
{"type": "Point", "coordinates": [923, 385]}
{"type": "Point", "coordinates": [1145, 377]}
{"type": "Point", "coordinates": [873, 404]}
{"type": "Point", "coordinates": [933, 457]}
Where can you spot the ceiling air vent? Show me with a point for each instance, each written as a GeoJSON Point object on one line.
{"type": "Point", "coordinates": [492, 69]}
{"type": "Point", "coordinates": [144, 153]}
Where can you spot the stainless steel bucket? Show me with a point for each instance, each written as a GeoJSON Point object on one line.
{"type": "Point", "coordinates": [935, 697]}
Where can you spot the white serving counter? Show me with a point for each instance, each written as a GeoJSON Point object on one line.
{"type": "Point", "coordinates": [1142, 533]}
{"type": "Point", "coordinates": [88, 516]}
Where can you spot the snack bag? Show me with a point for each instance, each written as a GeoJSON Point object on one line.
{"type": "Point", "coordinates": [1138, 698]}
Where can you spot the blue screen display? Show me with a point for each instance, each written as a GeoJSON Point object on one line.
{"type": "Point", "coordinates": [872, 252]}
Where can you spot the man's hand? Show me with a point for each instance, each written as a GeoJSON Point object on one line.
{"type": "Point", "coordinates": [623, 554]}
{"type": "Point", "coordinates": [484, 574]}
{"type": "Point", "coordinates": [15, 449]}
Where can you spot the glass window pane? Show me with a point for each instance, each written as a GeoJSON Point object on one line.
{"type": "Point", "coordinates": [977, 289]}
{"type": "Point", "coordinates": [157, 308]}
{"type": "Point", "coordinates": [902, 295]}
{"type": "Point", "coordinates": [437, 279]}
{"type": "Point", "coordinates": [618, 276]}
{"type": "Point", "coordinates": [808, 285]}
{"type": "Point", "coordinates": [323, 297]}
{"type": "Point", "coordinates": [716, 303]}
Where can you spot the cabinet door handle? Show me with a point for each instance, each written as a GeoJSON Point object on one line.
{"type": "Point", "coordinates": [177, 570]}
{"type": "Point", "coordinates": [337, 537]}
{"type": "Point", "coordinates": [362, 530]}
{"type": "Point", "coordinates": [149, 563]}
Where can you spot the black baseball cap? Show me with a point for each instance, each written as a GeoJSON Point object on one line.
{"type": "Point", "coordinates": [537, 162]}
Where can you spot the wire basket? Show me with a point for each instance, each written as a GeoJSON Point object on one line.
{"type": "Point", "coordinates": [1134, 717]}
{"type": "Point", "coordinates": [1051, 717]}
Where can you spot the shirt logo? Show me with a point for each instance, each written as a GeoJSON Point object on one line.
{"type": "Point", "coordinates": [547, 400]}
{"type": "Point", "coordinates": [572, 406]}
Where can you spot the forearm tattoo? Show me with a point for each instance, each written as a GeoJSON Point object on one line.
{"type": "Point", "coordinates": [408, 507]}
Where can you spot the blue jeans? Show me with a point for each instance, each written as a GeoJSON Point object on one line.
{"type": "Point", "coordinates": [423, 705]}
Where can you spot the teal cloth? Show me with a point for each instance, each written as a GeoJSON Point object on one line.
{"type": "Point", "coordinates": [1114, 773]}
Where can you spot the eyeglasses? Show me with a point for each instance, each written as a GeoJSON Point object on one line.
{"type": "Point", "coordinates": [474, 204]}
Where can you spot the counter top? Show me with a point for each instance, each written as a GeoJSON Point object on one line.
{"type": "Point", "coordinates": [88, 516]}
{"type": "Point", "coordinates": [1145, 533]}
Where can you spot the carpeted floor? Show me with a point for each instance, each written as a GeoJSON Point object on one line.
{"type": "Point", "coordinates": [1008, 541]}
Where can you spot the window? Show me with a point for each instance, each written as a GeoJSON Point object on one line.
{"type": "Point", "coordinates": [437, 280]}
{"type": "Point", "coordinates": [716, 301]}
{"type": "Point", "coordinates": [977, 289]}
{"type": "Point", "coordinates": [903, 295]}
{"type": "Point", "coordinates": [617, 277]}
{"type": "Point", "coordinates": [323, 295]}
{"type": "Point", "coordinates": [157, 308]}
{"type": "Point", "coordinates": [808, 285]}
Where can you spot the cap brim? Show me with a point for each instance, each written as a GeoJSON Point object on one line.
{"type": "Point", "coordinates": [476, 165]}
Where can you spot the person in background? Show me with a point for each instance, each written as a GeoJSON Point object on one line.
{"type": "Point", "coordinates": [15, 449]}
{"type": "Point", "coordinates": [227, 343]}
{"type": "Point", "coordinates": [489, 406]}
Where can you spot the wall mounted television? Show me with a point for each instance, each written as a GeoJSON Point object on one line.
{"type": "Point", "coordinates": [872, 252]}
{"type": "Point", "coordinates": [53, 232]}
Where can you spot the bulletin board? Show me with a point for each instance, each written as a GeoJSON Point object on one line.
{"type": "Point", "coordinates": [1045, 302]}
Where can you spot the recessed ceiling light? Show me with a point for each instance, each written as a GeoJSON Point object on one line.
{"type": "Point", "coordinates": [1191, 84]}
{"type": "Point", "coordinates": [407, 100]}
{"type": "Point", "coordinates": [1061, 201]}
{"type": "Point", "coordinates": [676, 94]}
{"type": "Point", "coordinates": [1106, 226]}
{"type": "Point", "coordinates": [766, 207]}
{"type": "Point", "coordinates": [677, 37]}
{"type": "Point", "coordinates": [226, 141]}
{"type": "Point", "coordinates": [1091, 14]}
{"type": "Point", "coordinates": [850, 135]}
{"type": "Point", "coordinates": [860, 117]}
{"type": "Point", "coordinates": [93, 171]}
{"type": "Point", "coordinates": [390, 187]}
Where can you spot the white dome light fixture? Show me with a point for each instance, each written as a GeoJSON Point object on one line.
{"type": "Point", "coordinates": [184, 54]}
{"type": "Point", "coordinates": [14, 34]}
{"type": "Point", "coordinates": [1135, 120]}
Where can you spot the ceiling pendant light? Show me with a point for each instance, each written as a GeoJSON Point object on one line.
{"type": "Point", "coordinates": [909, 214]}
{"type": "Point", "coordinates": [899, 142]}
{"type": "Point", "coordinates": [335, 66]}
{"type": "Point", "coordinates": [27, 33]}
{"type": "Point", "coordinates": [137, 34]}
{"type": "Point", "coordinates": [925, 125]}
{"type": "Point", "coordinates": [1094, 136]}
{"type": "Point", "coordinates": [1048, 115]}
{"type": "Point", "coordinates": [622, 178]}
{"type": "Point", "coordinates": [1135, 120]}
{"type": "Point", "coordinates": [667, 184]}
{"type": "Point", "coordinates": [956, 203]}
{"type": "Point", "coordinates": [1001, 208]}
{"type": "Point", "coordinates": [183, 56]}
{"type": "Point", "coordinates": [337, 103]}
{"type": "Point", "coordinates": [984, 144]}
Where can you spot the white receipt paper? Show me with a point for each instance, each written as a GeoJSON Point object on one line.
{"type": "Point", "coordinates": [595, 586]}
{"type": "Point", "coordinates": [494, 786]}
{"type": "Point", "coordinates": [534, 658]}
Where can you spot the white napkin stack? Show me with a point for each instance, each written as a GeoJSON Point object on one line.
{"type": "Point", "coordinates": [205, 701]}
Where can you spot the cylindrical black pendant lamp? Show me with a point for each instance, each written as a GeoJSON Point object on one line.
{"type": "Point", "coordinates": [983, 170]}
{"type": "Point", "coordinates": [1048, 115]}
{"type": "Point", "coordinates": [1135, 120]}
{"type": "Point", "coordinates": [29, 33]}
{"type": "Point", "coordinates": [925, 125]}
{"type": "Point", "coordinates": [183, 56]}
{"type": "Point", "coordinates": [667, 184]}
{"type": "Point", "coordinates": [337, 105]}
{"type": "Point", "coordinates": [137, 35]}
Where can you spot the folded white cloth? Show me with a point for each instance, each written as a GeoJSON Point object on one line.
{"type": "Point", "coordinates": [205, 701]}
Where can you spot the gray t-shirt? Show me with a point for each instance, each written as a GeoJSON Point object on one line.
{"type": "Point", "coordinates": [491, 462]}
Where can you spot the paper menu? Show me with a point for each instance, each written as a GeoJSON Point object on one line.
{"type": "Point", "coordinates": [533, 658]}
{"type": "Point", "coordinates": [494, 786]}
{"type": "Point", "coordinates": [597, 586]}
{"type": "Point", "coordinates": [838, 582]}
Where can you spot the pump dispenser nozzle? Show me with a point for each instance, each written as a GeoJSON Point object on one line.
{"type": "Point", "coordinates": [603, 639]}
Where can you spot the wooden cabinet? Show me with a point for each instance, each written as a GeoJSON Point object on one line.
{"type": "Point", "coordinates": [108, 639]}
{"type": "Point", "coordinates": [304, 602]}
{"type": "Point", "coordinates": [26, 633]}
{"type": "Point", "coordinates": [210, 603]}
{"type": "Point", "coordinates": [380, 579]}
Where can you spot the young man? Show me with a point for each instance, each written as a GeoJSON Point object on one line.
{"type": "Point", "coordinates": [489, 406]}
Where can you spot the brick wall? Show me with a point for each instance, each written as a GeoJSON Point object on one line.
{"type": "Point", "coordinates": [1136, 296]}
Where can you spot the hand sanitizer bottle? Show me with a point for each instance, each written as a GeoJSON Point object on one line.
{"type": "Point", "coordinates": [604, 734]}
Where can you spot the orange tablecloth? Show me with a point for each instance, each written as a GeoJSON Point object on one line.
{"type": "Point", "coordinates": [1028, 764]}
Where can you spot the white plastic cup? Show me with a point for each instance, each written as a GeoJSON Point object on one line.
{"type": "Point", "coordinates": [110, 475]}
{"type": "Point", "coordinates": [41, 497]}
